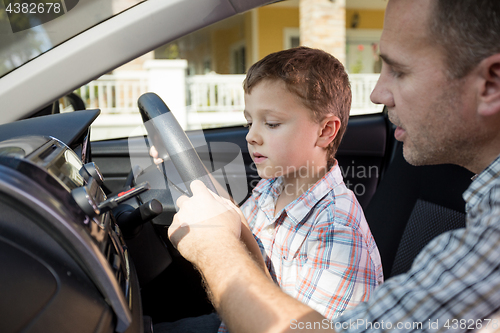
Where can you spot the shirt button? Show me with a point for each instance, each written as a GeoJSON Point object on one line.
{"type": "Point", "coordinates": [270, 230]}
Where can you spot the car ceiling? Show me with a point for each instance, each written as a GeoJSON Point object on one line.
{"type": "Point", "coordinates": [106, 46]}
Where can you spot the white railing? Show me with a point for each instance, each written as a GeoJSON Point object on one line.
{"type": "Point", "coordinates": [361, 86]}
{"type": "Point", "coordinates": [215, 92]}
{"type": "Point", "coordinates": [222, 93]}
{"type": "Point", "coordinates": [118, 93]}
{"type": "Point", "coordinates": [115, 93]}
{"type": "Point", "coordinates": [212, 100]}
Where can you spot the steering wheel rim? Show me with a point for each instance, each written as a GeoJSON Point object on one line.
{"type": "Point", "coordinates": [171, 141]}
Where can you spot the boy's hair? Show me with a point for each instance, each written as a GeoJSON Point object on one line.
{"type": "Point", "coordinates": [316, 77]}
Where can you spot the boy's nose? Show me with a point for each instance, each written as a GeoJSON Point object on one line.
{"type": "Point", "coordinates": [253, 137]}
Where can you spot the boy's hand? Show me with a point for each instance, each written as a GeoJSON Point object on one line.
{"type": "Point", "coordinates": [154, 154]}
{"type": "Point", "coordinates": [203, 221]}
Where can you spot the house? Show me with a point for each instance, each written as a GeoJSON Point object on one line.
{"type": "Point", "coordinates": [206, 68]}
{"type": "Point", "coordinates": [349, 29]}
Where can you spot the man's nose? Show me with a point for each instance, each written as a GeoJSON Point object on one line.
{"type": "Point", "coordinates": [382, 94]}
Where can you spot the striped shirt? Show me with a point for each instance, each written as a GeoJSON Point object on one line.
{"type": "Point", "coordinates": [454, 282]}
{"type": "Point", "coordinates": [319, 248]}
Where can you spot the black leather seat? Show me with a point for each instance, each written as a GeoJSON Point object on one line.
{"type": "Point", "coordinates": [411, 206]}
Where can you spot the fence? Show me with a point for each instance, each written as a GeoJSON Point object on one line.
{"type": "Point", "coordinates": [211, 100]}
{"type": "Point", "coordinates": [115, 93]}
{"type": "Point", "coordinates": [362, 85]}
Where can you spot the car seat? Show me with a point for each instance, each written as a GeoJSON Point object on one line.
{"type": "Point", "coordinates": [411, 206]}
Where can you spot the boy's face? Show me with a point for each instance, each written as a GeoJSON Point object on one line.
{"type": "Point", "coordinates": [282, 137]}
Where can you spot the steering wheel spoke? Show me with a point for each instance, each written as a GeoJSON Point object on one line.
{"type": "Point", "coordinates": [171, 141]}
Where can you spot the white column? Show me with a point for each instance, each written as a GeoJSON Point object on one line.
{"type": "Point", "coordinates": [322, 26]}
{"type": "Point", "coordinates": [167, 78]}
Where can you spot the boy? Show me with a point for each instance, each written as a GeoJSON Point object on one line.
{"type": "Point", "coordinates": [309, 227]}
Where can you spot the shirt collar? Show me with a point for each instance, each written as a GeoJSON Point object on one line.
{"type": "Point", "coordinates": [300, 207]}
{"type": "Point", "coordinates": [481, 184]}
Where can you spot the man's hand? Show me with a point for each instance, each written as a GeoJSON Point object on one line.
{"type": "Point", "coordinates": [206, 231]}
{"type": "Point", "coordinates": [203, 222]}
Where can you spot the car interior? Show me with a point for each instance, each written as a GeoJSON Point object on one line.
{"type": "Point", "coordinates": [406, 206]}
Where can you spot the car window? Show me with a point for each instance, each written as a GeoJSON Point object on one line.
{"type": "Point", "coordinates": [199, 76]}
{"type": "Point", "coordinates": [28, 29]}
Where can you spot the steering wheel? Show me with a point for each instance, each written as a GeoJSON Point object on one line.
{"type": "Point", "coordinates": [171, 141]}
{"type": "Point", "coordinates": [177, 151]}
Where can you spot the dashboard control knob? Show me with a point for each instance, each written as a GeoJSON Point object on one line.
{"type": "Point", "coordinates": [91, 170]}
{"type": "Point", "coordinates": [85, 201]}
{"type": "Point", "coordinates": [130, 221]}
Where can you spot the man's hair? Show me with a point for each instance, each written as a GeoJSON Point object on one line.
{"type": "Point", "coordinates": [316, 77]}
{"type": "Point", "coordinates": [467, 30]}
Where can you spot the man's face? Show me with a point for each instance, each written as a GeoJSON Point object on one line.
{"type": "Point", "coordinates": [432, 112]}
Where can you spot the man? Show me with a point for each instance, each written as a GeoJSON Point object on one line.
{"type": "Point", "coordinates": [441, 83]}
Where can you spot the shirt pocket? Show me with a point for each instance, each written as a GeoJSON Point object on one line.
{"type": "Point", "coordinates": [291, 265]}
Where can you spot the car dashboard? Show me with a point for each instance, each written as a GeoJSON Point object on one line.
{"type": "Point", "coordinates": [65, 265]}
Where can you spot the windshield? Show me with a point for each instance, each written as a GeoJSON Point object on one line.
{"type": "Point", "coordinates": [28, 29]}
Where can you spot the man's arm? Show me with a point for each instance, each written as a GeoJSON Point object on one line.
{"type": "Point", "coordinates": [247, 300]}
{"type": "Point", "coordinates": [253, 248]}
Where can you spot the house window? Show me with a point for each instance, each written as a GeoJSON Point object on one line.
{"type": "Point", "coordinates": [207, 66]}
{"type": "Point", "coordinates": [362, 51]}
{"type": "Point", "coordinates": [238, 58]}
{"type": "Point", "coordinates": [291, 38]}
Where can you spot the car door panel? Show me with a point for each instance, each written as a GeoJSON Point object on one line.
{"type": "Point", "coordinates": [362, 154]}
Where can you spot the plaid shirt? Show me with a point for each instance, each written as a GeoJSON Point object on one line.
{"type": "Point", "coordinates": [454, 283]}
{"type": "Point", "coordinates": [319, 248]}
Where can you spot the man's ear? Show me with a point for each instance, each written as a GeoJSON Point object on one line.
{"type": "Point", "coordinates": [489, 98]}
{"type": "Point", "coordinates": [330, 126]}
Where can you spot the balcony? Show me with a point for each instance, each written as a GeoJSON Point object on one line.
{"type": "Point", "coordinates": [200, 101]}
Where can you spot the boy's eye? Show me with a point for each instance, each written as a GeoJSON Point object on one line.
{"type": "Point", "coordinates": [248, 125]}
{"type": "Point", "coordinates": [272, 125]}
